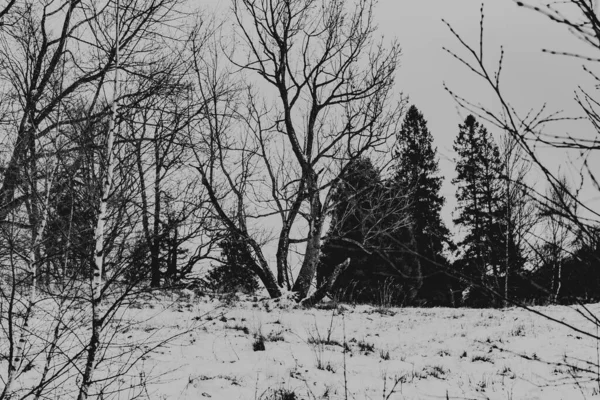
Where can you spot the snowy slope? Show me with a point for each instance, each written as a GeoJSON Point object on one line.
{"type": "Point", "coordinates": [425, 353]}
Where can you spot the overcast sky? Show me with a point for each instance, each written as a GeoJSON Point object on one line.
{"type": "Point", "coordinates": [530, 76]}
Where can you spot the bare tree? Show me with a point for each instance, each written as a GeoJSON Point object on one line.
{"type": "Point", "coordinates": [558, 234]}
{"type": "Point", "coordinates": [64, 136]}
{"type": "Point", "coordinates": [171, 195]}
{"type": "Point", "coordinates": [328, 100]}
{"type": "Point", "coordinates": [520, 209]}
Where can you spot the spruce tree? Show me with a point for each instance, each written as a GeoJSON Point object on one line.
{"type": "Point", "coordinates": [368, 226]}
{"type": "Point", "coordinates": [235, 273]}
{"type": "Point", "coordinates": [481, 206]}
{"type": "Point", "coordinates": [351, 220]}
{"type": "Point", "coordinates": [416, 169]}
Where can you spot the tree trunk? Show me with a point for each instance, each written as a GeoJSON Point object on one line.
{"type": "Point", "coordinates": [171, 274]}
{"type": "Point", "coordinates": [38, 219]}
{"type": "Point", "coordinates": [313, 245]}
{"type": "Point", "coordinates": [416, 273]}
{"type": "Point", "coordinates": [155, 242]}
{"type": "Point", "coordinates": [103, 212]}
{"type": "Point", "coordinates": [452, 298]}
{"type": "Point", "coordinates": [93, 345]}
{"type": "Point", "coordinates": [12, 177]}
{"type": "Point", "coordinates": [261, 269]}
{"type": "Point", "coordinates": [557, 282]}
{"type": "Point", "coordinates": [283, 247]}
{"type": "Point", "coordinates": [283, 277]}
{"type": "Point", "coordinates": [99, 255]}
{"type": "Point", "coordinates": [508, 219]}
{"type": "Point", "coordinates": [309, 266]}
{"type": "Point", "coordinates": [268, 279]}
{"type": "Point", "coordinates": [155, 263]}
{"type": "Point", "coordinates": [326, 286]}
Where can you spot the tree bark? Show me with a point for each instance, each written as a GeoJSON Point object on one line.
{"type": "Point", "coordinates": [260, 266]}
{"type": "Point", "coordinates": [99, 251]}
{"type": "Point", "coordinates": [12, 178]}
{"type": "Point", "coordinates": [86, 380]}
{"type": "Point", "coordinates": [155, 242]}
{"type": "Point", "coordinates": [313, 244]}
{"type": "Point", "coordinates": [417, 273]}
{"type": "Point", "coordinates": [171, 273]}
{"type": "Point", "coordinates": [326, 286]}
{"type": "Point", "coordinates": [283, 246]}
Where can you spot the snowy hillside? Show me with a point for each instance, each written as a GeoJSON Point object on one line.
{"type": "Point", "coordinates": [390, 353]}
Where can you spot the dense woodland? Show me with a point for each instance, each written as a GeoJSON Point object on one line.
{"type": "Point", "coordinates": [136, 152]}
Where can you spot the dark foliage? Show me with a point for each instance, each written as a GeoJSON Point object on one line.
{"type": "Point", "coordinates": [234, 274]}
{"type": "Point", "coordinates": [368, 224]}
{"type": "Point", "coordinates": [417, 169]}
{"type": "Point", "coordinates": [480, 210]}
{"type": "Point", "coordinates": [580, 278]}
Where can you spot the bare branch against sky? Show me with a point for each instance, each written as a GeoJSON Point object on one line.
{"type": "Point", "coordinates": [425, 66]}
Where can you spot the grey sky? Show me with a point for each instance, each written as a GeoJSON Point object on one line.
{"type": "Point", "coordinates": [530, 76]}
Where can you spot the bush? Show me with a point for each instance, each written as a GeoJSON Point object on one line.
{"type": "Point", "coordinates": [234, 275]}
{"type": "Point", "coordinates": [259, 343]}
{"type": "Point", "coordinates": [228, 279]}
{"type": "Point", "coordinates": [279, 394]}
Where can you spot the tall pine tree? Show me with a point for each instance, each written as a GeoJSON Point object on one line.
{"type": "Point", "coordinates": [417, 169]}
{"type": "Point", "coordinates": [481, 206]}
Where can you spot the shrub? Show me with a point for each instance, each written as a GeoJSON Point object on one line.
{"type": "Point", "coordinates": [366, 347]}
{"type": "Point", "coordinates": [259, 343]}
{"type": "Point", "coordinates": [279, 394]}
{"type": "Point", "coordinates": [481, 357]}
{"type": "Point", "coordinates": [234, 274]}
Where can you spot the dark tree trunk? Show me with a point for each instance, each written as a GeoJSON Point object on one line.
{"type": "Point", "coordinates": [12, 179]}
{"type": "Point", "coordinates": [283, 277]}
{"type": "Point", "coordinates": [155, 263]}
{"type": "Point", "coordinates": [171, 273]}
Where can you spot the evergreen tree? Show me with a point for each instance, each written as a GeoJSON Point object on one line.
{"type": "Point", "coordinates": [417, 169]}
{"type": "Point", "coordinates": [354, 197]}
{"type": "Point", "coordinates": [481, 206]}
{"type": "Point", "coordinates": [351, 220]}
{"type": "Point", "coordinates": [367, 214]}
{"type": "Point", "coordinates": [235, 273]}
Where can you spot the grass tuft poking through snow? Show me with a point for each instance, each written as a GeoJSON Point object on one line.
{"type": "Point", "coordinates": [259, 343]}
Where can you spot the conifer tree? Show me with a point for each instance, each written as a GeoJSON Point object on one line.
{"type": "Point", "coordinates": [370, 225]}
{"type": "Point", "coordinates": [416, 169]}
{"type": "Point", "coordinates": [351, 219]}
{"type": "Point", "coordinates": [235, 272]}
{"type": "Point", "coordinates": [481, 207]}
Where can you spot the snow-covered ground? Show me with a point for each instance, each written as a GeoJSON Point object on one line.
{"type": "Point", "coordinates": [213, 350]}
{"type": "Point", "coordinates": [408, 353]}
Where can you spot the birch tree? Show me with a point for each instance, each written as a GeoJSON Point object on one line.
{"type": "Point", "coordinates": [66, 99]}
